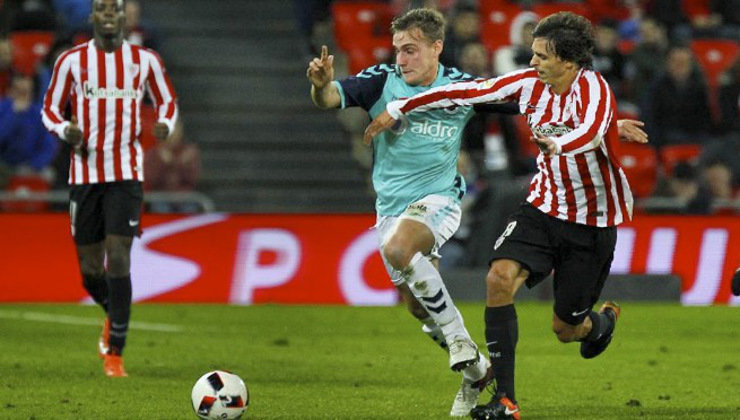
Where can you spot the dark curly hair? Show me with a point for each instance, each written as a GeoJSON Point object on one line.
{"type": "Point", "coordinates": [570, 36]}
{"type": "Point", "coordinates": [429, 21]}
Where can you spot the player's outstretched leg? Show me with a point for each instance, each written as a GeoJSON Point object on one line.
{"type": "Point", "coordinates": [601, 335]}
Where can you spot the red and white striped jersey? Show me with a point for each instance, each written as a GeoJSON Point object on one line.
{"type": "Point", "coordinates": [584, 183]}
{"type": "Point", "coordinates": [105, 91]}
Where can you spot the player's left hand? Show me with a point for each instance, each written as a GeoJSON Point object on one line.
{"type": "Point", "coordinates": [160, 131]}
{"type": "Point", "coordinates": [631, 130]}
{"type": "Point", "coordinates": [547, 145]}
{"type": "Point", "coordinates": [382, 122]}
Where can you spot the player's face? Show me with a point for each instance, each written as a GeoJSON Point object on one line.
{"type": "Point", "coordinates": [550, 68]}
{"type": "Point", "coordinates": [416, 56]}
{"type": "Point", "coordinates": [108, 17]}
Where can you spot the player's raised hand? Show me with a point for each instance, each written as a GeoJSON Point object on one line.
{"type": "Point", "coordinates": [160, 131]}
{"type": "Point", "coordinates": [631, 130]}
{"type": "Point", "coordinates": [73, 134]}
{"type": "Point", "coordinates": [321, 70]}
{"type": "Point", "coordinates": [382, 122]}
{"type": "Point", "coordinates": [547, 145]}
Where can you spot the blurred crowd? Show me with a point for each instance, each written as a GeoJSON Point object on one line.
{"type": "Point", "coordinates": [33, 33]}
{"type": "Point", "coordinates": [674, 64]}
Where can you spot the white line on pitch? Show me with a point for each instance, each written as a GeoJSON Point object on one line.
{"type": "Point", "coordinates": [78, 320]}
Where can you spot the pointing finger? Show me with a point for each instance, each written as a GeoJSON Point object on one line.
{"type": "Point", "coordinates": [324, 52]}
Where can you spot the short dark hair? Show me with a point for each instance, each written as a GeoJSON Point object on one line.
{"type": "Point", "coordinates": [429, 21]}
{"type": "Point", "coordinates": [571, 37]}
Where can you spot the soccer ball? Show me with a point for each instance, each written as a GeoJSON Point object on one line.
{"type": "Point", "coordinates": [219, 395]}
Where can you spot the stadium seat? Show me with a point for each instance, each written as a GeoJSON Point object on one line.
{"type": "Point", "coordinates": [625, 46]}
{"type": "Point", "coordinates": [21, 184]}
{"type": "Point", "coordinates": [29, 49]}
{"type": "Point", "coordinates": [607, 9]}
{"type": "Point", "coordinates": [695, 8]}
{"type": "Point", "coordinates": [671, 155]}
{"type": "Point", "coordinates": [640, 163]}
{"type": "Point", "coordinates": [496, 19]}
{"type": "Point", "coordinates": [357, 22]}
{"type": "Point", "coordinates": [715, 56]}
{"type": "Point", "coordinates": [368, 53]}
{"type": "Point", "coordinates": [545, 9]}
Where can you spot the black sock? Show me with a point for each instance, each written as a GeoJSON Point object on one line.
{"type": "Point", "coordinates": [502, 333]}
{"type": "Point", "coordinates": [97, 287]}
{"type": "Point", "coordinates": [600, 325]}
{"type": "Point", "coordinates": [119, 312]}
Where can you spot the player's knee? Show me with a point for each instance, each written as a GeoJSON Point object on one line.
{"type": "Point", "coordinates": [396, 255]}
{"type": "Point", "coordinates": [118, 264]}
{"type": "Point", "coordinates": [90, 266]}
{"type": "Point", "coordinates": [500, 283]}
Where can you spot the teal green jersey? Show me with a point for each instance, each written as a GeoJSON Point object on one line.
{"type": "Point", "coordinates": [418, 157]}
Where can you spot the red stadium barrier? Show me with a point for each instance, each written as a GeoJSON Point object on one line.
{"type": "Point", "coordinates": [317, 259]}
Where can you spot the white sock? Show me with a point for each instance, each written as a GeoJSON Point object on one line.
{"type": "Point", "coordinates": [432, 330]}
{"type": "Point", "coordinates": [476, 372]}
{"type": "Point", "coordinates": [427, 285]}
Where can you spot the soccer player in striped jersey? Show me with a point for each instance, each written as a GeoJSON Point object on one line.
{"type": "Point", "coordinates": [576, 200]}
{"type": "Point", "coordinates": [104, 81]}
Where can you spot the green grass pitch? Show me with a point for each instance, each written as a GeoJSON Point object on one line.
{"type": "Point", "coordinates": [333, 362]}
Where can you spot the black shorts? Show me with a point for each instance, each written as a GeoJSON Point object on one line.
{"type": "Point", "coordinates": [580, 256]}
{"type": "Point", "coordinates": [97, 210]}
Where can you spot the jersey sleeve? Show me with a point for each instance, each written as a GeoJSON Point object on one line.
{"type": "Point", "coordinates": [55, 99]}
{"type": "Point", "coordinates": [160, 87]}
{"type": "Point", "coordinates": [482, 91]}
{"type": "Point", "coordinates": [365, 88]}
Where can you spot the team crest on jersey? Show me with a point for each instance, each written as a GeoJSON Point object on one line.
{"type": "Point", "coordinates": [133, 69]}
{"type": "Point", "coordinates": [487, 84]}
{"type": "Point", "coordinates": [416, 209]}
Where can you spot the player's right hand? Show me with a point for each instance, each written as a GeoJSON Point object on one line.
{"type": "Point", "coordinates": [73, 134]}
{"type": "Point", "coordinates": [321, 70]}
{"type": "Point", "coordinates": [382, 122]}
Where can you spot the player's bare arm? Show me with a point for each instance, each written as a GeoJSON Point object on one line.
{"type": "Point", "coordinates": [73, 134]}
{"type": "Point", "coordinates": [320, 73]}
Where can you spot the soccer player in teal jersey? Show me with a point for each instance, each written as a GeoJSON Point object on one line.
{"type": "Point", "coordinates": [416, 181]}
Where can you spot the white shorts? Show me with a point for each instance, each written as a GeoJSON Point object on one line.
{"type": "Point", "coordinates": [439, 213]}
